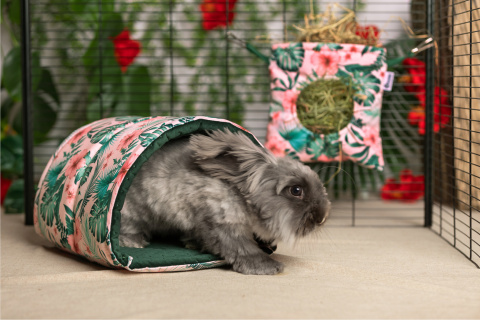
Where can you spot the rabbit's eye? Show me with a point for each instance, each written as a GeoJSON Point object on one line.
{"type": "Point", "coordinates": [296, 191]}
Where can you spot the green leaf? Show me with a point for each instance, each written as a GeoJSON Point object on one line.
{"type": "Point", "coordinates": [137, 91]}
{"type": "Point", "coordinates": [91, 56]}
{"type": "Point", "coordinates": [12, 73]}
{"type": "Point", "coordinates": [103, 103]}
{"type": "Point", "coordinates": [48, 86]}
{"type": "Point", "coordinates": [14, 11]}
{"type": "Point", "coordinates": [42, 110]}
{"type": "Point", "coordinates": [14, 201]}
{"type": "Point", "coordinates": [108, 79]}
{"type": "Point", "coordinates": [12, 155]}
{"type": "Point", "coordinates": [112, 24]}
{"type": "Point", "coordinates": [14, 144]}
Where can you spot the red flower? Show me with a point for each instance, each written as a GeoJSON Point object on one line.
{"type": "Point", "coordinates": [126, 49]}
{"type": "Point", "coordinates": [367, 32]}
{"type": "Point", "coordinates": [409, 188]}
{"type": "Point", "coordinates": [215, 13]}
{"type": "Point", "coordinates": [442, 111]}
{"type": "Point", "coordinates": [416, 115]}
{"type": "Point", "coordinates": [416, 70]}
{"type": "Point", "coordinates": [5, 185]}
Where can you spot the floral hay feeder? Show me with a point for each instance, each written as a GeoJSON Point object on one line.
{"type": "Point", "coordinates": [355, 133]}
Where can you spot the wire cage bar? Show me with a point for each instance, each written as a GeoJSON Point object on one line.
{"type": "Point", "coordinates": [186, 68]}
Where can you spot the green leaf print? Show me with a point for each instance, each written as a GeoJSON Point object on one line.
{"type": "Point", "coordinates": [362, 69]}
{"type": "Point", "coordinates": [290, 58]}
{"type": "Point", "coordinates": [147, 138]}
{"type": "Point", "coordinates": [315, 147]}
{"type": "Point", "coordinates": [69, 219]}
{"type": "Point", "coordinates": [367, 86]}
{"type": "Point", "coordinates": [97, 223]}
{"type": "Point", "coordinates": [103, 183]}
{"type": "Point", "coordinates": [327, 145]}
{"type": "Point", "coordinates": [103, 136]}
{"type": "Point", "coordinates": [86, 173]}
{"type": "Point", "coordinates": [52, 175]}
{"type": "Point", "coordinates": [332, 145]}
{"type": "Point", "coordinates": [331, 46]}
{"type": "Point", "coordinates": [298, 137]}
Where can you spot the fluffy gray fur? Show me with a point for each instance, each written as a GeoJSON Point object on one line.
{"type": "Point", "coordinates": [218, 190]}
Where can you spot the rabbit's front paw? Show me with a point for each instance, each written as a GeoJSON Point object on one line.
{"type": "Point", "coordinates": [133, 240]}
{"type": "Point", "coordinates": [257, 264]}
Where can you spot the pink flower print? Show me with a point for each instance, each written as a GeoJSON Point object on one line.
{"type": "Point", "coordinates": [371, 138]}
{"type": "Point", "coordinates": [70, 192]}
{"type": "Point", "coordinates": [75, 163]}
{"type": "Point", "coordinates": [126, 166]}
{"type": "Point", "coordinates": [75, 239]}
{"type": "Point", "coordinates": [109, 155]}
{"type": "Point", "coordinates": [128, 139]}
{"type": "Point", "coordinates": [275, 116]}
{"type": "Point", "coordinates": [289, 102]}
{"type": "Point", "coordinates": [354, 49]}
{"type": "Point", "coordinates": [35, 215]}
{"type": "Point", "coordinates": [275, 143]}
{"type": "Point", "coordinates": [326, 62]}
{"type": "Point", "coordinates": [80, 134]}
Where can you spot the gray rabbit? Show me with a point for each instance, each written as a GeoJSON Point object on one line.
{"type": "Point", "coordinates": [219, 190]}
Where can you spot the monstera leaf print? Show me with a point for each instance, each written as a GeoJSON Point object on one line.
{"type": "Point", "coordinates": [367, 86]}
{"type": "Point", "coordinates": [328, 145]}
{"type": "Point", "coordinates": [97, 223]}
{"type": "Point", "coordinates": [363, 143]}
{"type": "Point", "coordinates": [291, 57]}
{"type": "Point", "coordinates": [298, 137]}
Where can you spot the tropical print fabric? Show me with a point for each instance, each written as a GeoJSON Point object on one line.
{"type": "Point", "coordinates": [77, 191]}
{"type": "Point", "coordinates": [292, 67]}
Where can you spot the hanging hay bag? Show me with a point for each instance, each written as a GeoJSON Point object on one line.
{"type": "Point", "coordinates": [326, 102]}
{"type": "Point", "coordinates": [82, 190]}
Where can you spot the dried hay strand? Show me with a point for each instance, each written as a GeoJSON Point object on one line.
{"type": "Point", "coordinates": [326, 106]}
{"type": "Point", "coordinates": [325, 27]}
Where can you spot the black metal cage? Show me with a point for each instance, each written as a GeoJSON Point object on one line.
{"type": "Point", "coordinates": [188, 66]}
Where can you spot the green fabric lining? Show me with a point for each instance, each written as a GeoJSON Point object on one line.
{"type": "Point", "coordinates": [161, 254]}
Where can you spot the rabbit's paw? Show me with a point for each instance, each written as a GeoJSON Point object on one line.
{"type": "Point", "coordinates": [257, 264]}
{"type": "Point", "coordinates": [133, 240]}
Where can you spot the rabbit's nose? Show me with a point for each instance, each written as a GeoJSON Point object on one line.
{"type": "Point", "coordinates": [321, 217]}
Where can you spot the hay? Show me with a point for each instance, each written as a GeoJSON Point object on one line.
{"type": "Point", "coordinates": [326, 106]}
{"type": "Point", "coordinates": [326, 27]}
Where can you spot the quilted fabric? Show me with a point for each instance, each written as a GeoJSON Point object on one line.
{"type": "Point", "coordinates": [292, 67]}
{"type": "Point", "coordinates": [82, 189]}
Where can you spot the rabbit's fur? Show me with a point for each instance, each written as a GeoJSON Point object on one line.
{"type": "Point", "coordinates": [219, 190]}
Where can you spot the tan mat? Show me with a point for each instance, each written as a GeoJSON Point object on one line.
{"type": "Point", "coordinates": [344, 273]}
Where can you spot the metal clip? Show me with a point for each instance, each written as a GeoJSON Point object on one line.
{"type": "Point", "coordinates": [424, 45]}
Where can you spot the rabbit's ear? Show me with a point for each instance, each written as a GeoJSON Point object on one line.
{"type": "Point", "coordinates": [228, 156]}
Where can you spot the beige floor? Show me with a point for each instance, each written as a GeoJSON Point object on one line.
{"type": "Point", "coordinates": [345, 273]}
